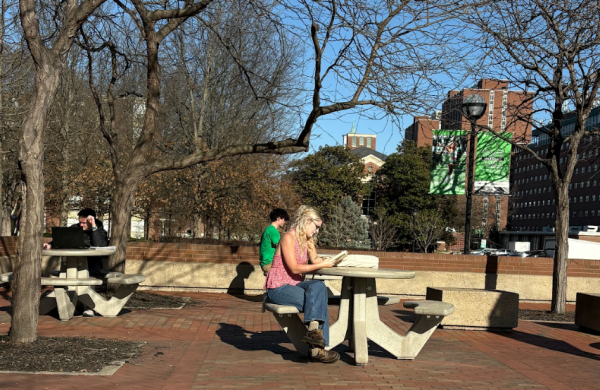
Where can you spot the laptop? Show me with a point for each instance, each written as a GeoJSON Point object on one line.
{"type": "Point", "coordinates": [68, 238]}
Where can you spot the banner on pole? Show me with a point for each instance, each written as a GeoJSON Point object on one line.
{"type": "Point", "coordinates": [449, 162]}
{"type": "Point", "coordinates": [492, 164]}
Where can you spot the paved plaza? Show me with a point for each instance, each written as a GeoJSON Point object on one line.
{"type": "Point", "coordinates": [224, 341]}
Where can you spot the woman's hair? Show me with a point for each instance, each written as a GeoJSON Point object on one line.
{"type": "Point", "coordinates": [304, 216]}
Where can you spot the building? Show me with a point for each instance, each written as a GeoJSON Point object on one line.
{"type": "Point", "coordinates": [421, 130]}
{"type": "Point", "coordinates": [363, 145]}
{"type": "Point", "coordinates": [532, 205]}
{"type": "Point", "coordinates": [507, 111]}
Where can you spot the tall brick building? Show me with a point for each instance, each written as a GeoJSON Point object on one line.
{"type": "Point", "coordinates": [506, 111]}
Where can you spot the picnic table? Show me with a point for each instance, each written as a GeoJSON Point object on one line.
{"type": "Point", "coordinates": [358, 318]}
{"type": "Point", "coordinates": [74, 284]}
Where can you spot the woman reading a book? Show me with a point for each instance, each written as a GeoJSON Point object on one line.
{"type": "Point", "coordinates": [286, 286]}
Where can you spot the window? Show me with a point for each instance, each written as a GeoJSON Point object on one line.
{"type": "Point", "coordinates": [594, 183]}
{"type": "Point", "coordinates": [370, 169]}
{"type": "Point", "coordinates": [570, 185]}
{"type": "Point", "coordinates": [361, 141]}
{"type": "Point", "coordinates": [368, 205]}
{"type": "Point", "coordinates": [543, 202]}
{"type": "Point", "coordinates": [553, 202]}
{"type": "Point", "coordinates": [581, 199]}
{"type": "Point", "coordinates": [589, 168]}
{"type": "Point", "coordinates": [587, 198]}
{"type": "Point", "coordinates": [574, 199]}
{"type": "Point", "coordinates": [577, 171]}
{"type": "Point", "coordinates": [369, 142]}
{"type": "Point", "coordinates": [580, 213]}
{"type": "Point", "coordinates": [586, 213]}
{"type": "Point", "coordinates": [535, 191]}
{"type": "Point", "coordinates": [574, 213]}
{"type": "Point", "coordinates": [588, 183]}
{"type": "Point", "coordinates": [575, 185]}
{"type": "Point", "coordinates": [353, 142]}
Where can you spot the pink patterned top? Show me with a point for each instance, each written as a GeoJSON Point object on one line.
{"type": "Point", "coordinates": [280, 275]}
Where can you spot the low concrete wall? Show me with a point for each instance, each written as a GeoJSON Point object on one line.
{"type": "Point", "coordinates": [161, 275]}
{"type": "Point", "coordinates": [235, 269]}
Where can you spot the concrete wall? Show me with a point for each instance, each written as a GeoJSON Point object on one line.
{"type": "Point", "coordinates": [235, 269]}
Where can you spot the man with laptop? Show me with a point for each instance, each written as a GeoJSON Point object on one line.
{"type": "Point", "coordinates": [94, 235]}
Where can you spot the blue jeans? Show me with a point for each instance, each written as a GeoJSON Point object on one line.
{"type": "Point", "coordinates": [309, 296]}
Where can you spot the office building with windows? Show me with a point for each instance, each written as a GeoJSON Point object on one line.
{"type": "Point", "coordinates": [532, 205]}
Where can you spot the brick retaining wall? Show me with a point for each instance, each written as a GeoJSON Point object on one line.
{"type": "Point", "coordinates": [222, 254]}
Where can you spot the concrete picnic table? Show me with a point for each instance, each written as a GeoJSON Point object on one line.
{"type": "Point", "coordinates": [74, 284]}
{"type": "Point", "coordinates": [359, 294]}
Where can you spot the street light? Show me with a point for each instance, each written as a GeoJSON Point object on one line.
{"type": "Point", "coordinates": [473, 108]}
{"type": "Point", "coordinates": [414, 218]}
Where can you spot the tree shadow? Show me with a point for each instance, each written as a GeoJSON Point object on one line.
{"type": "Point", "coordinates": [548, 343]}
{"type": "Point", "coordinates": [491, 273]}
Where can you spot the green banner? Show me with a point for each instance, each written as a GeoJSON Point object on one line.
{"type": "Point", "coordinates": [492, 164]}
{"type": "Point", "coordinates": [449, 162]}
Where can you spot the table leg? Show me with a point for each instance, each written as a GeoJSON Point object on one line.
{"type": "Point", "coordinates": [65, 304]}
{"type": "Point", "coordinates": [338, 331]}
{"type": "Point", "coordinates": [361, 351]}
{"type": "Point", "coordinates": [377, 331]}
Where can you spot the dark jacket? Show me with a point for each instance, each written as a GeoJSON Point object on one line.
{"type": "Point", "coordinates": [97, 237]}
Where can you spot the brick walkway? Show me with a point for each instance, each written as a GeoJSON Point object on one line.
{"type": "Point", "coordinates": [225, 342]}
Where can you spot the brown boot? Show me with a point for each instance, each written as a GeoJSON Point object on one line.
{"type": "Point", "coordinates": [324, 356]}
{"type": "Point", "coordinates": [314, 337]}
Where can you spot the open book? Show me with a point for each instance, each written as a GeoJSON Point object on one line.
{"type": "Point", "coordinates": [338, 258]}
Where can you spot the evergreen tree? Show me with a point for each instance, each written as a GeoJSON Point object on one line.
{"type": "Point", "coordinates": [346, 228]}
{"type": "Point", "coordinates": [322, 179]}
{"type": "Point", "coordinates": [403, 186]}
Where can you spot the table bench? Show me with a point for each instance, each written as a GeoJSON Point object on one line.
{"type": "Point", "coordinates": [73, 285]}
{"type": "Point", "coordinates": [429, 315]}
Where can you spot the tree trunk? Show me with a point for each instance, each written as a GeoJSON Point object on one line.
{"type": "Point", "coordinates": [561, 252]}
{"type": "Point", "coordinates": [121, 206]}
{"type": "Point", "coordinates": [26, 283]}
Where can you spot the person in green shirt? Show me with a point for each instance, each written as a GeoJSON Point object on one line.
{"type": "Point", "coordinates": [270, 238]}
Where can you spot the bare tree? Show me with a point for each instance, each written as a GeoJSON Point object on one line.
{"type": "Point", "coordinates": [548, 49]}
{"type": "Point", "coordinates": [428, 226]}
{"type": "Point", "coordinates": [383, 232]}
{"type": "Point", "coordinates": [49, 53]}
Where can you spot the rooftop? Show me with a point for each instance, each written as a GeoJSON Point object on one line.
{"type": "Point", "coordinates": [363, 152]}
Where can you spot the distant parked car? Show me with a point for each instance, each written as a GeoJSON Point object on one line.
{"type": "Point", "coordinates": [538, 253]}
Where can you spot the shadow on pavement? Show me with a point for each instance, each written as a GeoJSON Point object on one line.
{"type": "Point", "coordinates": [246, 340]}
{"type": "Point", "coordinates": [549, 343]}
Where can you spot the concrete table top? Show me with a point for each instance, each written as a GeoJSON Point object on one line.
{"type": "Point", "coordinates": [355, 272]}
{"type": "Point", "coordinates": [80, 252]}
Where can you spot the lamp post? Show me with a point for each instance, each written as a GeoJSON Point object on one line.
{"type": "Point", "coordinates": [473, 108]}
{"type": "Point", "coordinates": [414, 219]}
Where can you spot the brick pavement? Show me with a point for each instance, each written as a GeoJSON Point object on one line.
{"type": "Point", "coordinates": [225, 342]}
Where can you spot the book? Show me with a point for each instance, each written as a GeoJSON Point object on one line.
{"type": "Point", "coordinates": [338, 258]}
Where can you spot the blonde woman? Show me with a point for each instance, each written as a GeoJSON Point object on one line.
{"type": "Point", "coordinates": [286, 286]}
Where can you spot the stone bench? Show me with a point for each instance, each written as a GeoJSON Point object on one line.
{"type": "Point", "coordinates": [587, 312]}
{"type": "Point", "coordinates": [290, 322]}
{"type": "Point", "coordinates": [477, 309]}
{"type": "Point", "coordinates": [429, 315]}
{"type": "Point", "coordinates": [111, 307]}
